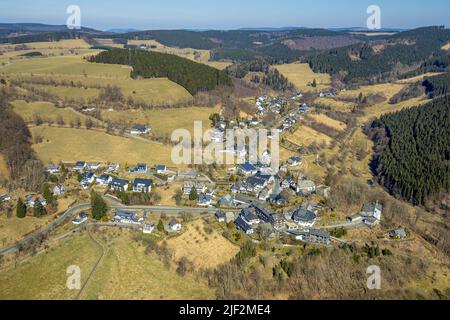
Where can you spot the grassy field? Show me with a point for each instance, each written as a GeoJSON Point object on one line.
{"type": "Point", "coordinates": [301, 75]}
{"type": "Point", "coordinates": [46, 110]}
{"type": "Point", "coordinates": [383, 108]}
{"type": "Point", "coordinates": [128, 273]}
{"type": "Point", "coordinates": [164, 121]}
{"type": "Point", "coordinates": [304, 136]}
{"type": "Point", "coordinates": [94, 146]}
{"type": "Point", "coordinates": [202, 249]}
{"type": "Point", "coordinates": [13, 229]}
{"type": "Point", "coordinates": [66, 92]}
{"type": "Point", "coordinates": [336, 104]}
{"type": "Point", "coordinates": [418, 78]}
{"type": "Point", "coordinates": [446, 47]}
{"type": "Point", "coordinates": [44, 276]}
{"type": "Point", "coordinates": [338, 125]}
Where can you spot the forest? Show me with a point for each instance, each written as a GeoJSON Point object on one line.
{"type": "Point", "coordinates": [15, 146]}
{"type": "Point", "coordinates": [412, 151]}
{"type": "Point", "coordinates": [191, 75]}
{"type": "Point", "coordinates": [377, 59]}
{"type": "Point", "coordinates": [437, 85]}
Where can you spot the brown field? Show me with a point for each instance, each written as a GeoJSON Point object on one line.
{"type": "Point", "coordinates": [336, 104]}
{"type": "Point", "coordinates": [46, 110]}
{"type": "Point", "coordinates": [204, 250]}
{"type": "Point", "coordinates": [446, 47]}
{"type": "Point", "coordinates": [128, 273]}
{"type": "Point", "coordinates": [304, 136]}
{"type": "Point", "coordinates": [164, 121]}
{"type": "Point", "coordinates": [418, 78]}
{"type": "Point", "coordinates": [96, 146]}
{"type": "Point", "coordinates": [301, 75]}
{"type": "Point", "coordinates": [329, 121]}
{"type": "Point", "coordinates": [13, 229]}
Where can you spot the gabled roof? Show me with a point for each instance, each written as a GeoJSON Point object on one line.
{"type": "Point", "coordinates": [173, 222]}
{"type": "Point", "coordinates": [241, 224]}
{"type": "Point", "coordinates": [119, 182]}
{"type": "Point", "coordinates": [146, 182]}
{"type": "Point", "coordinates": [303, 215]}
{"type": "Point", "coordinates": [248, 167]}
{"type": "Point", "coordinates": [249, 214]}
{"type": "Point", "coordinates": [139, 127]}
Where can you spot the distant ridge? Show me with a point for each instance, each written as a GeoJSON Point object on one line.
{"type": "Point", "coordinates": [122, 30]}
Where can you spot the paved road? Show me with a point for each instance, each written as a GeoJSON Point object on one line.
{"type": "Point", "coordinates": [56, 223]}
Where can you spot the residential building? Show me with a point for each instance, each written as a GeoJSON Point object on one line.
{"type": "Point", "coordinates": [313, 236]}
{"type": "Point", "coordinates": [199, 186]}
{"type": "Point", "coordinates": [148, 228]}
{"type": "Point", "coordinates": [142, 185]}
{"type": "Point", "coordinates": [104, 180]}
{"type": "Point", "coordinates": [80, 166]}
{"type": "Point", "coordinates": [305, 187]}
{"type": "Point", "coordinates": [127, 217]}
{"type": "Point", "coordinates": [204, 200]}
{"type": "Point", "coordinates": [220, 216]}
{"type": "Point", "coordinates": [53, 169]}
{"type": "Point", "coordinates": [161, 169]}
{"type": "Point", "coordinates": [247, 169]}
{"type": "Point", "coordinates": [80, 219]}
{"type": "Point", "coordinates": [119, 184]}
{"type": "Point", "coordinates": [175, 226]}
{"type": "Point", "coordinates": [303, 218]}
{"type": "Point", "coordinates": [58, 190]}
{"type": "Point", "coordinates": [139, 129]}
{"type": "Point", "coordinates": [250, 216]}
{"type": "Point", "coordinates": [242, 225]}
{"type": "Point", "coordinates": [140, 168]}
{"type": "Point", "coordinates": [5, 198]}
{"type": "Point", "coordinates": [398, 234]}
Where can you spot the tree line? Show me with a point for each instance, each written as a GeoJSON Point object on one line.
{"type": "Point", "coordinates": [412, 150]}
{"type": "Point", "coordinates": [194, 77]}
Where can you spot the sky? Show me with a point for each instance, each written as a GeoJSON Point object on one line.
{"type": "Point", "coordinates": [228, 14]}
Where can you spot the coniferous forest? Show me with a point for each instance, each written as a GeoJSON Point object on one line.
{"type": "Point", "coordinates": [412, 151]}
{"type": "Point", "coordinates": [191, 75]}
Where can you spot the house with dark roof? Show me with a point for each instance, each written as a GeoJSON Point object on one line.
{"type": "Point", "coordinates": [104, 180]}
{"type": "Point", "coordinates": [161, 169]}
{"type": "Point", "coordinates": [175, 226]}
{"type": "Point", "coordinates": [126, 217]}
{"type": "Point", "coordinates": [250, 216]}
{"type": "Point", "coordinates": [140, 168]}
{"type": "Point", "coordinates": [204, 200]}
{"type": "Point", "coordinates": [242, 225]}
{"type": "Point", "coordinates": [119, 184]}
{"type": "Point", "coordinates": [247, 168]}
{"type": "Point", "coordinates": [79, 166]}
{"type": "Point", "coordinates": [139, 129]}
{"type": "Point", "coordinates": [398, 234]}
{"type": "Point", "coordinates": [304, 218]}
{"type": "Point", "coordinates": [313, 236]}
{"type": "Point", "coordinates": [263, 212]}
{"type": "Point", "coordinates": [142, 185]}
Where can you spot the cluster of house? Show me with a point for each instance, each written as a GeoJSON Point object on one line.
{"type": "Point", "coordinates": [31, 200]}
{"type": "Point", "coordinates": [266, 186]}
{"type": "Point", "coordinates": [205, 198]}
{"type": "Point", "coordinates": [265, 104]}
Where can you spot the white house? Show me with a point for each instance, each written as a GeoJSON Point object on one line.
{"type": "Point", "coordinates": [175, 226]}
{"type": "Point", "coordinates": [53, 169]}
{"type": "Point", "coordinates": [119, 185]}
{"type": "Point", "coordinates": [148, 228]}
{"type": "Point", "coordinates": [142, 185]}
{"type": "Point", "coordinates": [104, 180]}
{"type": "Point", "coordinates": [58, 190]}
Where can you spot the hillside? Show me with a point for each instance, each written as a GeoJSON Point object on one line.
{"type": "Point", "coordinates": [412, 151]}
{"type": "Point", "coordinates": [190, 75]}
{"type": "Point", "coordinates": [374, 60]}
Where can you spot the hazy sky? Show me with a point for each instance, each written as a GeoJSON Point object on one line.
{"type": "Point", "coordinates": [228, 14]}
